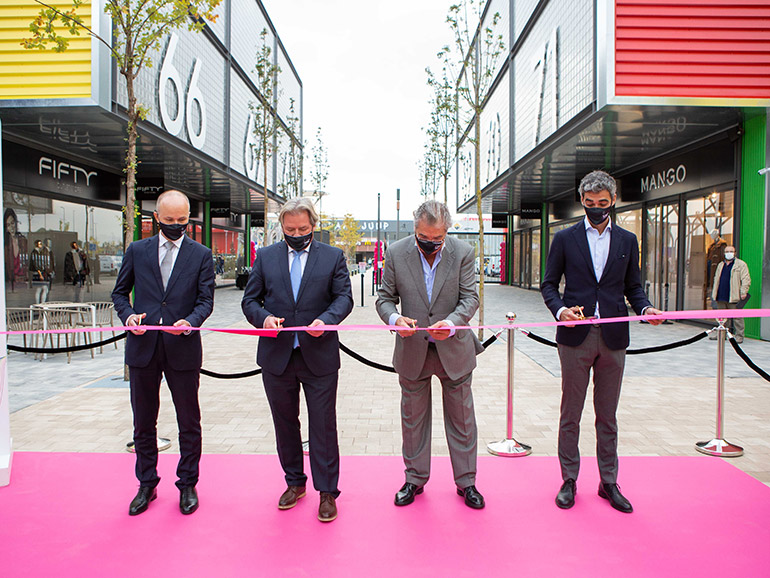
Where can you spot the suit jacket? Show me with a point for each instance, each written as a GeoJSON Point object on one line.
{"type": "Point", "coordinates": [189, 295]}
{"type": "Point", "coordinates": [570, 257]}
{"type": "Point", "coordinates": [454, 298]}
{"type": "Point", "coordinates": [324, 294]}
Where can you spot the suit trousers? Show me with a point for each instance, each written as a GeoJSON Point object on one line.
{"type": "Point", "coordinates": [321, 397]}
{"type": "Point", "coordinates": [576, 364]}
{"type": "Point", "coordinates": [145, 401]}
{"type": "Point", "coordinates": [459, 423]}
{"type": "Point", "coordinates": [736, 325]}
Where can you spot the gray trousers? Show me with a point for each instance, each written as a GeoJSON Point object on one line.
{"type": "Point", "coordinates": [459, 423]}
{"type": "Point", "coordinates": [576, 364]}
{"type": "Point", "coordinates": [737, 325]}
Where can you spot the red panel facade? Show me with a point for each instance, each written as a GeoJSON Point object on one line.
{"type": "Point", "coordinates": [692, 48]}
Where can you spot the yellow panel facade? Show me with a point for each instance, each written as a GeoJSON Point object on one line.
{"type": "Point", "coordinates": [30, 74]}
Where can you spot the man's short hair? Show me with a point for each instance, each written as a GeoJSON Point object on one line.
{"type": "Point", "coordinates": [596, 182]}
{"type": "Point", "coordinates": [299, 205]}
{"type": "Point", "coordinates": [433, 213]}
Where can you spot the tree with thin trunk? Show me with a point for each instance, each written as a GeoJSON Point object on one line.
{"type": "Point", "coordinates": [348, 236]}
{"type": "Point", "coordinates": [266, 123]}
{"type": "Point", "coordinates": [442, 130]}
{"type": "Point", "coordinates": [320, 172]}
{"type": "Point", "coordinates": [470, 64]}
{"type": "Point", "coordinates": [139, 26]}
{"type": "Point", "coordinates": [428, 173]}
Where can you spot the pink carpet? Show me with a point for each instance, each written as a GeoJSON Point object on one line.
{"type": "Point", "coordinates": [65, 515]}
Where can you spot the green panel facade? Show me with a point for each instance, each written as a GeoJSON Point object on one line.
{"type": "Point", "coordinates": [752, 201]}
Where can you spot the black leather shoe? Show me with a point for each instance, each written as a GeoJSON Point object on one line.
{"type": "Point", "coordinates": [565, 499]}
{"type": "Point", "coordinates": [406, 494]}
{"type": "Point", "coordinates": [142, 499]}
{"type": "Point", "coordinates": [188, 500]}
{"type": "Point", "coordinates": [612, 493]}
{"type": "Point", "coordinates": [473, 498]}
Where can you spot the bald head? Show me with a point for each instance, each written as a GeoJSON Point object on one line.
{"type": "Point", "coordinates": [173, 213]}
{"type": "Point", "coordinates": [172, 200]}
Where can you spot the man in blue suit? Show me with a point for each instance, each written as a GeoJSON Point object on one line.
{"type": "Point", "coordinates": [172, 278]}
{"type": "Point", "coordinates": [301, 282]}
{"type": "Point", "coordinates": [600, 264]}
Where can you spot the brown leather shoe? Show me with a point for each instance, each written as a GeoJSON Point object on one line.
{"type": "Point", "coordinates": [327, 509]}
{"type": "Point", "coordinates": [289, 498]}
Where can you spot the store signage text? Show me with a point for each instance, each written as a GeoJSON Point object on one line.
{"type": "Point", "coordinates": [547, 62]}
{"type": "Point", "coordinates": [495, 150]}
{"type": "Point", "coordinates": [64, 171]}
{"type": "Point", "coordinates": [250, 149]}
{"type": "Point", "coordinates": [663, 179]}
{"type": "Point", "coordinates": [184, 107]}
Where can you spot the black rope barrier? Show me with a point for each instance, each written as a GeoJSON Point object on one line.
{"type": "Point", "coordinates": [654, 349]}
{"type": "Point", "coordinates": [216, 375]}
{"type": "Point", "coordinates": [365, 361]}
{"type": "Point", "coordinates": [74, 348]}
{"type": "Point", "coordinates": [742, 354]}
{"type": "Point", "coordinates": [388, 368]}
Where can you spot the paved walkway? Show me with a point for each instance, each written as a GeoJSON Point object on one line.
{"type": "Point", "coordinates": [668, 401]}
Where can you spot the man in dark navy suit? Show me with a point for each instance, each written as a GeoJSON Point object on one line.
{"type": "Point", "coordinates": [600, 264]}
{"type": "Point", "coordinates": [173, 282]}
{"type": "Point", "coordinates": [301, 282]}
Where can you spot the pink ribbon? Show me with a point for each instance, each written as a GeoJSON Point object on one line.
{"type": "Point", "coordinates": [673, 315]}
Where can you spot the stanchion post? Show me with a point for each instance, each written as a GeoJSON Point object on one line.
{"type": "Point", "coordinates": [719, 446]}
{"type": "Point", "coordinates": [509, 447]}
{"type": "Point", "coordinates": [362, 289]}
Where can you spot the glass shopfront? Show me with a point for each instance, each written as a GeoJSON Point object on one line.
{"type": "Point", "coordinates": [53, 226]}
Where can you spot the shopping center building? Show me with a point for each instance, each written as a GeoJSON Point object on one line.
{"type": "Point", "coordinates": [64, 130]}
{"type": "Point", "coordinates": [670, 98]}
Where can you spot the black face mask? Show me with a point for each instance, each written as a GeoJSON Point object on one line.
{"type": "Point", "coordinates": [173, 232]}
{"type": "Point", "coordinates": [428, 247]}
{"type": "Point", "coordinates": [597, 215]}
{"type": "Point", "coordinates": [300, 242]}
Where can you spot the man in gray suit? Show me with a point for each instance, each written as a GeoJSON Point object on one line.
{"type": "Point", "coordinates": [432, 276]}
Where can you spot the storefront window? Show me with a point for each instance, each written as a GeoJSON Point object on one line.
{"type": "Point", "coordinates": [662, 255]}
{"type": "Point", "coordinates": [52, 271]}
{"type": "Point", "coordinates": [516, 273]}
{"type": "Point", "coordinates": [535, 259]}
{"type": "Point", "coordinates": [707, 217]}
{"type": "Point", "coordinates": [227, 249]}
{"type": "Point", "coordinates": [632, 221]}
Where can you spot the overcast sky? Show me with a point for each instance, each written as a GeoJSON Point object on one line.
{"type": "Point", "coordinates": [362, 65]}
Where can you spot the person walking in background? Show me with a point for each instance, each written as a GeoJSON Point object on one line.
{"type": "Point", "coordinates": [295, 283]}
{"type": "Point", "coordinates": [172, 278]}
{"type": "Point", "coordinates": [731, 290]}
{"type": "Point", "coordinates": [41, 271]}
{"type": "Point", "coordinates": [433, 278]}
{"type": "Point", "coordinates": [76, 269]}
{"type": "Point", "coordinates": [599, 262]}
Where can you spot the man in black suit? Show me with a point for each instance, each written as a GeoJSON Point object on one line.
{"type": "Point", "coordinates": [600, 264]}
{"type": "Point", "coordinates": [173, 282]}
{"type": "Point", "coordinates": [296, 283]}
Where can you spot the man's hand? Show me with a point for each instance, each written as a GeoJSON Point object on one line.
{"type": "Point", "coordinates": [135, 320]}
{"type": "Point", "coordinates": [440, 330]}
{"type": "Point", "coordinates": [653, 311]}
{"type": "Point", "coordinates": [183, 323]}
{"type": "Point", "coordinates": [273, 322]}
{"type": "Point", "coordinates": [315, 323]}
{"type": "Point", "coordinates": [571, 314]}
{"type": "Point", "coordinates": [408, 323]}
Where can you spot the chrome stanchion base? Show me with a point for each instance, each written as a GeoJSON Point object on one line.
{"type": "Point", "coordinates": [163, 444]}
{"type": "Point", "coordinates": [719, 448]}
{"type": "Point", "coordinates": [306, 448]}
{"type": "Point", "coordinates": [509, 449]}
